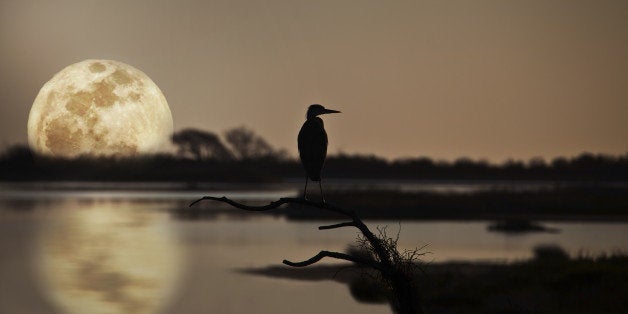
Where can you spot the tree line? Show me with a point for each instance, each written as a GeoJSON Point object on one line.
{"type": "Point", "coordinates": [242, 155]}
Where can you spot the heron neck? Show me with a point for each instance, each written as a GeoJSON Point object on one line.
{"type": "Point", "coordinates": [315, 119]}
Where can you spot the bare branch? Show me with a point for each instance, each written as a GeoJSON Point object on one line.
{"type": "Point", "coordinates": [395, 269]}
{"type": "Point", "coordinates": [378, 246]}
{"type": "Point", "coordinates": [336, 255]}
{"type": "Point", "coordinates": [340, 225]}
{"type": "Point", "coordinates": [277, 203]}
{"type": "Point", "coordinates": [341, 269]}
{"type": "Point", "coordinates": [235, 204]}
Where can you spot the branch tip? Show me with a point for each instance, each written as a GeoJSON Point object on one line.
{"type": "Point", "coordinates": [277, 203]}
{"type": "Point", "coordinates": [339, 225]}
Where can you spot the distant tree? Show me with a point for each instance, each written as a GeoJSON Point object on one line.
{"type": "Point", "coordinates": [537, 163]}
{"type": "Point", "coordinates": [17, 162]}
{"type": "Point", "coordinates": [586, 160]}
{"type": "Point", "coordinates": [17, 152]}
{"type": "Point", "coordinates": [419, 162]}
{"type": "Point", "coordinates": [464, 162]}
{"type": "Point", "coordinates": [200, 145]}
{"type": "Point", "coordinates": [512, 164]}
{"type": "Point", "coordinates": [560, 163]}
{"type": "Point", "coordinates": [245, 144]}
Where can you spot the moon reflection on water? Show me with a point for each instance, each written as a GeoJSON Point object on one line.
{"type": "Point", "coordinates": [107, 259]}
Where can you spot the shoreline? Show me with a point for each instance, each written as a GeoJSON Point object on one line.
{"type": "Point", "coordinates": [489, 286]}
{"type": "Point", "coordinates": [587, 202]}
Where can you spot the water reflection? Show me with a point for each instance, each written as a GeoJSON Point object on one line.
{"type": "Point", "coordinates": [106, 258]}
{"type": "Point", "coordinates": [116, 255]}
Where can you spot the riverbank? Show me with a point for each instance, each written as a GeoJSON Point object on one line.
{"type": "Point", "coordinates": [373, 200]}
{"type": "Point", "coordinates": [550, 282]}
{"type": "Point", "coordinates": [584, 203]}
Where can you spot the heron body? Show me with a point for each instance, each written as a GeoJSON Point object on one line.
{"type": "Point", "coordinates": [312, 142]}
{"type": "Point", "coordinates": [313, 147]}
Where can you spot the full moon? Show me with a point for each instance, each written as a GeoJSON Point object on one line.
{"type": "Point", "coordinates": [99, 108]}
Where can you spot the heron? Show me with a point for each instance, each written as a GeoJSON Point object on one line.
{"type": "Point", "coordinates": [313, 145]}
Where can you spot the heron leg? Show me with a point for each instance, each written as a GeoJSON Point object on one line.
{"type": "Point", "coordinates": [305, 190]}
{"type": "Point", "coordinates": [320, 186]}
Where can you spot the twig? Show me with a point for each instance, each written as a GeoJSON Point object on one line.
{"type": "Point", "coordinates": [235, 204]}
{"type": "Point", "coordinates": [276, 204]}
{"type": "Point", "coordinates": [339, 225]}
{"type": "Point", "coordinates": [336, 255]}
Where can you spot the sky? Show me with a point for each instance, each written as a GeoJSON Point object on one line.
{"type": "Point", "coordinates": [490, 79]}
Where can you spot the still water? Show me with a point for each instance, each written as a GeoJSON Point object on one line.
{"type": "Point", "coordinates": [76, 252]}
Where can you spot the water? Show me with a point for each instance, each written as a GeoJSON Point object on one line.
{"type": "Point", "coordinates": [126, 252]}
{"type": "Point", "coordinates": [292, 186]}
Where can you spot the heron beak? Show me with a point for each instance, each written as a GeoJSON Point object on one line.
{"type": "Point", "coordinates": [330, 111]}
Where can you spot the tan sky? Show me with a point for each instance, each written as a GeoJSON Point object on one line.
{"type": "Point", "coordinates": [485, 79]}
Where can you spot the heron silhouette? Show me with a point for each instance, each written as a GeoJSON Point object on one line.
{"type": "Point", "coordinates": [313, 145]}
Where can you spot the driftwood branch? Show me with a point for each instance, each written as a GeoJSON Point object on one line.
{"type": "Point", "coordinates": [276, 204]}
{"type": "Point", "coordinates": [375, 242]}
{"type": "Point", "coordinates": [336, 255]}
{"type": "Point", "coordinates": [340, 225]}
{"type": "Point", "coordinates": [235, 204]}
{"type": "Point", "coordinates": [401, 283]}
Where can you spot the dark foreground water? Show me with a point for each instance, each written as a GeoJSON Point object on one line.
{"type": "Point", "coordinates": [112, 252]}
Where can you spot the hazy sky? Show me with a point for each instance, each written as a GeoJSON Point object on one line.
{"type": "Point", "coordinates": [486, 79]}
